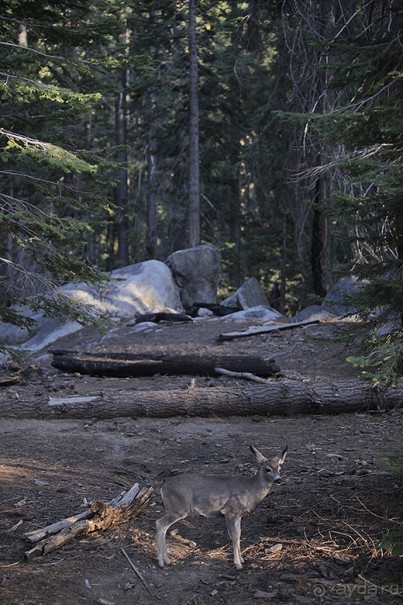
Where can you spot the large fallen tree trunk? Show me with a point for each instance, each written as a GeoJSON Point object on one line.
{"type": "Point", "coordinates": [285, 397]}
{"type": "Point", "coordinates": [99, 516]}
{"type": "Point", "coordinates": [148, 364]}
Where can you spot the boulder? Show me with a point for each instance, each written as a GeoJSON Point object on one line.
{"type": "Point", "coordinates": [12, 335]}
{"type": "Point", "coordinates": [146, 287]}
{"type": "Point", "coordinates": [250, 294]}
{"type": "Point", "coordinates": [336, 300]}
{"type": "Point", "coordinates": [259, 312]}
{"type": "Point", "coordinates": [196, 271]}
{"type": "Point", "coordinates": [50, 329]}
{"type": "Point", "coordinates": [314, 312]}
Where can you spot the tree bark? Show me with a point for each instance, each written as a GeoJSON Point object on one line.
{"type": "Point", "coordinates": [121, 126]}
{"type": "Point", "coordinates": [122, 189]}
{"type": "Point", "coordinates": [277, 398]}
{"type": "Point", "coordinates": [126, 364]}
{"type": "Point", "coordinates": [152, 199]}
{"type": "Point", "coordinates": [321, 224]}
{"type": "Point", "coordinates": [235, 160]}
{"type": "Point", "coordinates": [194, 168]}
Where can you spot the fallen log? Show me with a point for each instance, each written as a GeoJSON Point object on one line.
{"type": "Point", "coordinates": [99, 516]}
{"type": "Point", "coordinates": [280, 397]}
{"type": "Point", "coordinates": [254, 330]}
{"type": "Point", "coordinates": [148, 364]}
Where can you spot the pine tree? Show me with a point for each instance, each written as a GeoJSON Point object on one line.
{"type": "Point", "coordinates": [361, 133]}
{"type": "Point", "coordinates": [48, 183]}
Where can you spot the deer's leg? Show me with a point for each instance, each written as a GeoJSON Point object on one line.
{"type": "Point", "coordinates": [162, 525]}
{"type": "Point", "coordinates": [234, 530]}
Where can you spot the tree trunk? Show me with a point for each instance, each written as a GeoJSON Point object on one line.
{"type": "Point", "coordinates": [281, 398]}
{"type": "Point", "coordinates": [152, 199]}
{"type": "Point", "coordinates": [320, 252]}
{"type": "Point", "coordinates": [235, 193]}
{"type": "Point", "coordinates": [122, 189]}
{"type": "Point", "coordinates": [283, 273]}
{"type": "Point", "coordinates": [126, 364]}
{"type": "Point", "coordinates": [194, 167]}
{"type": "Point", "coordinates": [321, 225]}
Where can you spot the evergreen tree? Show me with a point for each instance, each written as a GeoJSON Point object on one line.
{"type": "Point", "coordinates": [47, 176]}
{"type": "Point", "coordinates": [361, 133]}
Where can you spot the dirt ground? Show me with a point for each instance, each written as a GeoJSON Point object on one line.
{"type": "Point", "coordinates": [322, 536]}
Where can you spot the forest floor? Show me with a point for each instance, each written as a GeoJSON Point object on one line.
{"type": "Point", "coordinates": [317, 537]}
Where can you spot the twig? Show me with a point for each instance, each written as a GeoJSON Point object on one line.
{"type": "Point", "coordinates": [380, 588]}
{"type": "Point", "coordinates": [136, 571]}
{"type": "Point", "coordinates": [374, 514]}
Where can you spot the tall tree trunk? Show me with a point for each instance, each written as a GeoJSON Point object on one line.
{"type": "Point", "coordinates": [235, 201]}
{"type": "Point", "coordinates": [321, 224]}
{"type": "Point", "coordinates": [194, 162]}
{"type": "Point", "coordinates": [122, 189]}
{"type": "Point", "coordinates": [152, 199]}
{"type": "Point", "coordinates": [234, 157]}
{"type": "Point", "coordinates": [283, 272]}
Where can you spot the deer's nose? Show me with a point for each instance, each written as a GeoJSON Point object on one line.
{"type": "Point", "coordinates": [278, 480]}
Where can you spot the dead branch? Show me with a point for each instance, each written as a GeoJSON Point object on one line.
{"type": "Point", "coordinates": [138, 574]}
{"type": "Point", "coordinates": [245, 375]}
{"type": "Point", "coordinates": [100, 516]}
{"type": "Point", "coordinates": [253, 330]}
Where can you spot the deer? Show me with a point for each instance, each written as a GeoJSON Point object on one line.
{"type": "Point", "coordinates": [207, 495]}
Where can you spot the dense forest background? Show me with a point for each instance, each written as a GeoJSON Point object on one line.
{"type": "Point", "coordinates": [270, 129]}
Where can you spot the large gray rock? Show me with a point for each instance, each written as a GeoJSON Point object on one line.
{"type": "Point", "coordinates": [250, 294]}
{"type": "Point", "coordinates": [335, 300]}
{"type": "Point", "coordinates": [12, 335]}
{"type": "Point", "coordinates": [259, 312]}
{"type": "Point", "coordinates": [197, 273]}
{"type": "Point", "coordinates": [146, 287]}
{"type": "Point", "coordinates": [314, 312]}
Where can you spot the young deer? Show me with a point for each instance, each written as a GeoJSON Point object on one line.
{"type": "Point", "coordinates": [233, 497]}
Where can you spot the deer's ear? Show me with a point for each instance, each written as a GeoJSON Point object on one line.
{"type": "Point", "coordinates": [259, 457]}
{"type": "Point", "coordinates": [282, 455]}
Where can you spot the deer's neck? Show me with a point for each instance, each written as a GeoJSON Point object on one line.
{"type": "Point", "coordinates": [263, 486]}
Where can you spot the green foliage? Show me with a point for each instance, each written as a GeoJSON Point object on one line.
{"type": "Point", "coordinates": [392, 543]}
{"type": "Point", "coordinates": [358, 131]}
{"type": "Point", "coordinates": [50, 202]}
{"type": "Point", "coordinates": [383, 360]}
{"type": "Point", "coordinates": [291, 98]}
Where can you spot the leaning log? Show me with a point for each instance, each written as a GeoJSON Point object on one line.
{"type": "Point", "coordinates": [280, 397]}
{"type": "Point", "coordinates": [149, 364]}
{"type": "Point", "coordinates": [99, 516]}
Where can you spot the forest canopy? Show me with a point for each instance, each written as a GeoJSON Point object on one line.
{"type": "Point", "coordinates": [270, 129]}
